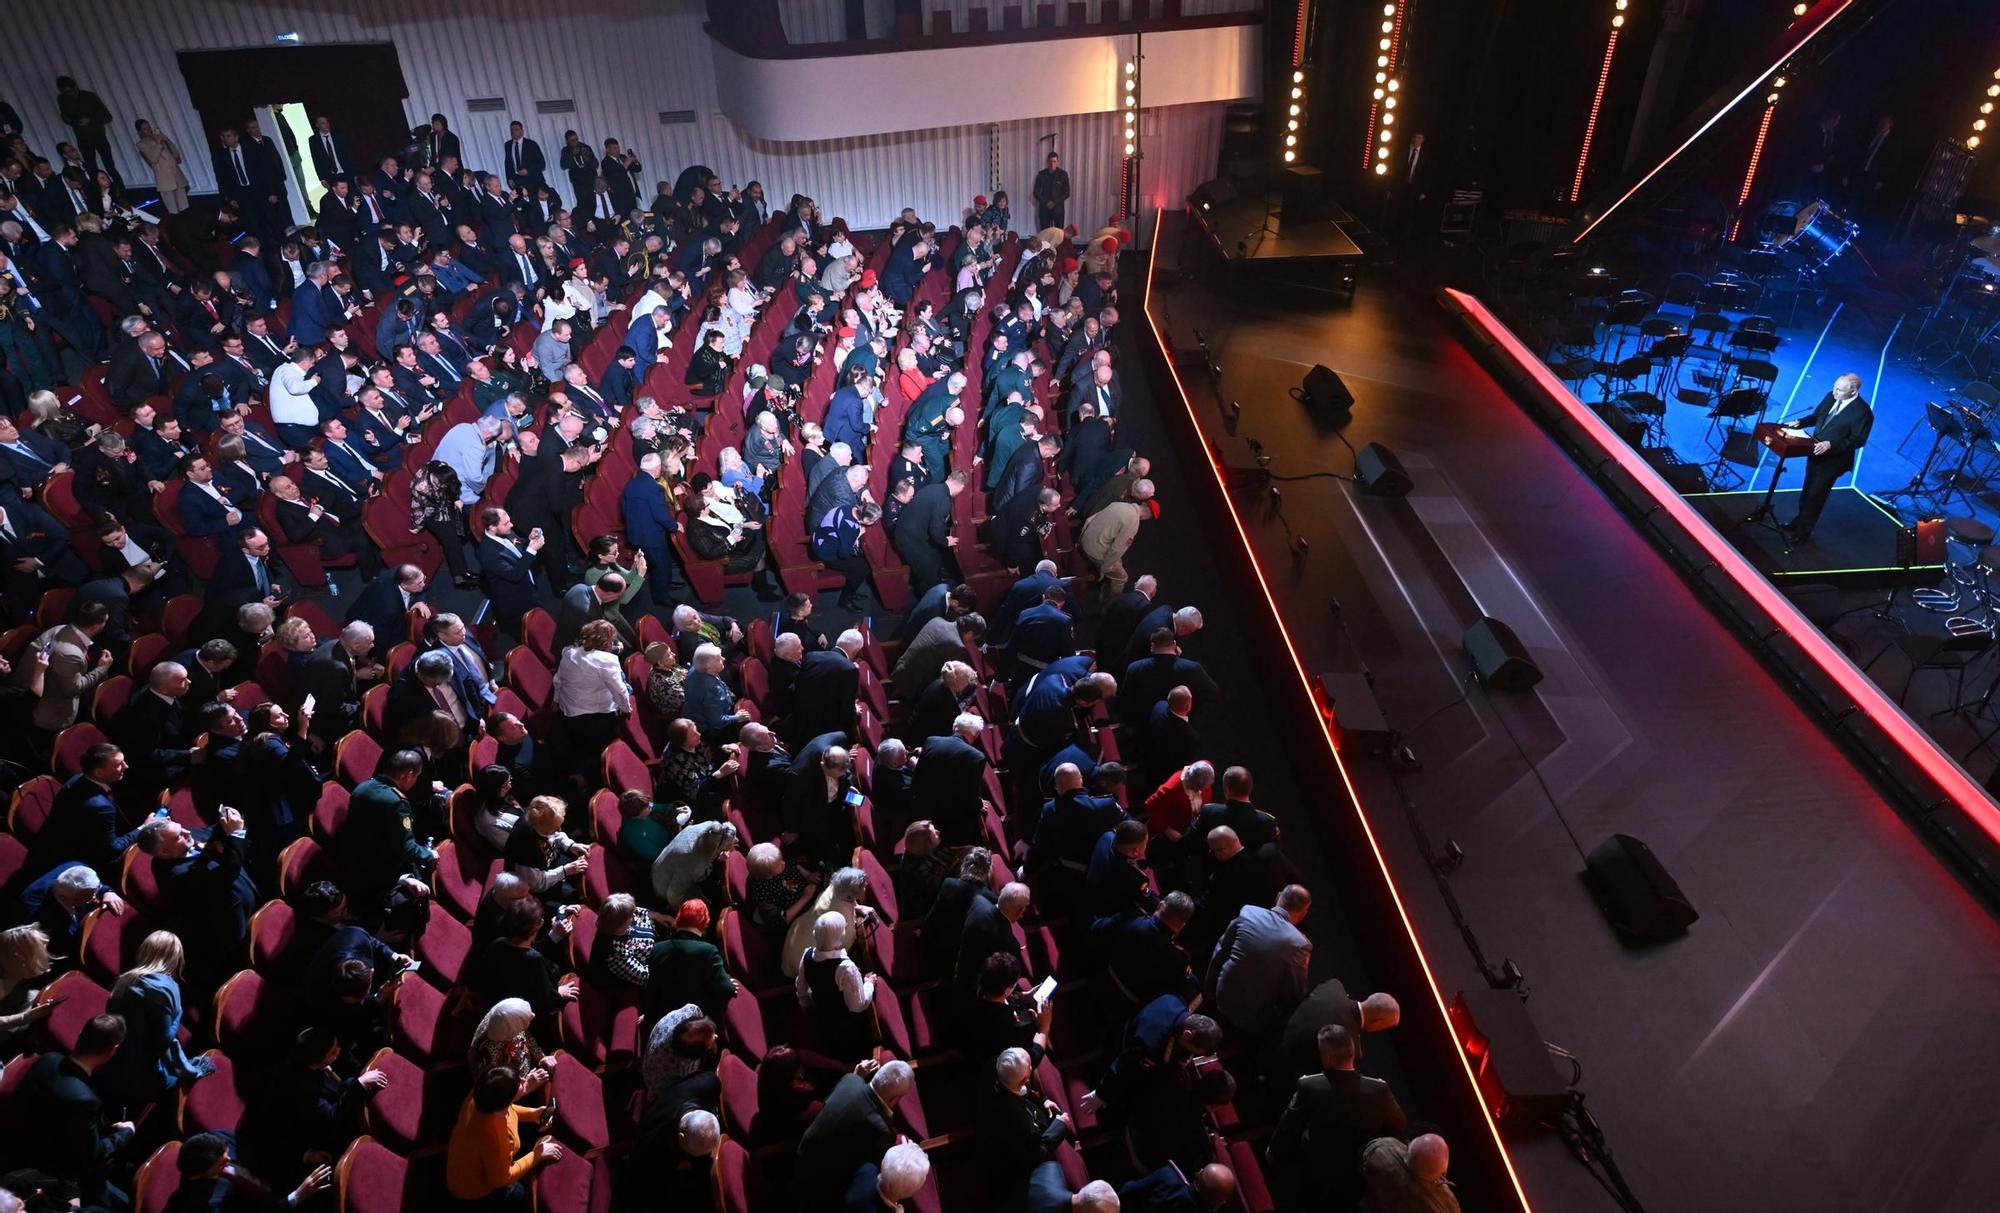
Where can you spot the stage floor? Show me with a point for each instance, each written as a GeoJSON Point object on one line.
{"type": "Point", "coordinates": [1829, 1018]}
{"type": "Point", "coordinates": [1253, 231]}
{"type": "Point", "coordinates": [1853, 545]}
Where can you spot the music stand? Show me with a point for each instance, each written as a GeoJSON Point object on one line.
{"type": "Point", "coordinates": [1944, 424]}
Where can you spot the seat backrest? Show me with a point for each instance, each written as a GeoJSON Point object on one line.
{"type": "Point", "coordinates": [355, 756]}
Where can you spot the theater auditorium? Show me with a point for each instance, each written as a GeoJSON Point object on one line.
{"type": "Point", "coordinates": [1049, 606]}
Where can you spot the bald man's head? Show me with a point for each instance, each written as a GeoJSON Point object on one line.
{"type": "Point", "coordinates": [1430, 1157]}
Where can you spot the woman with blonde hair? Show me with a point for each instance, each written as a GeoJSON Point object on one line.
{"type": "Point", "coordinates": [504, 1038]}
{"type": "Point", "coordinates": [158, 151]}
{"type": "Point", "coordinates": [54, 422]}
{"type": "Point", "coordinates": [148, 996]}
{"type": "Point", "coordinates": [24, 960]}
{"type": "Point", "coordinates": [542, 855]}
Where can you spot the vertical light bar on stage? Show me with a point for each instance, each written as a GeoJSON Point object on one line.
{"type": "Point", "coordinates": [1380, 135]}
{"type": "Point", "coordinates": [1985, 112]}
{"type": "Point", "coordinates": [1597, 99]}
{"type": "Point", "coordinates": [1756, 156]}
{"type": "Point", "coordinates": [1128, 170]}
{"type": "Point", "coordinates": [1814, 21]}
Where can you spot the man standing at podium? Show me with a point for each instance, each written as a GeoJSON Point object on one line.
{"type": "Point", "coordinates": [1841, 424]}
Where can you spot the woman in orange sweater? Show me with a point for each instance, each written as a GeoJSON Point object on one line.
{"type": "Point", "coordinates": [484, 1165]}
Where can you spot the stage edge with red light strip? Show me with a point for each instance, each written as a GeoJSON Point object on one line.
{"type": "Point", "coordinates": [1869, 699]}
{"type": "Point", "coordinates": [1298, 670]}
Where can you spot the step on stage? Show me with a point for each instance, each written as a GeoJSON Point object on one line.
{"type": "Point", "coordinates": [1854, 543]}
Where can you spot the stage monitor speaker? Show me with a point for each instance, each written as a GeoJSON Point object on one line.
{"type": "Point", "coordinates": [1324, 393]}
{"type": "Point", "coordinates": [1353, 714]}
{"type": "Point", "coordinates": [1209, 194]}
{"type": "Point", "coordinates": [1499, 656]}
{"type": "Point", "coordinates": [1516, 1074]}
{"type": "Point", "coordinates": [1633, 889]}
{"type": "Point", "coordinates": [1304, 193]}
{"type": "Point", "coordinates": [1380, 471]}
{"type": "Point", "coordinates": [1920, 544]}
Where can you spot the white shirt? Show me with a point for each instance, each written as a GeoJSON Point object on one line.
{"type": "Point", "coordinates": [854, 989]}
{"type": "Point", "coordinates": [291, 400]}
{"type": "Point", "coordinates": [590, 682]}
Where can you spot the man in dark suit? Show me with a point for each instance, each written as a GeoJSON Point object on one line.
{"type": "Point", "coordinates": [333, 677]}
{"type": "Point", "coordinates": [426, 685]}
{"type": "Point", "coordinates": [543, 498]}
{"type": "Point", "coordinates": [430, 211]}
{"type": "Point", "coordinates": [35, 551]}
{"type": "Point", "coordinates": [1168, 1190]}
{"type": "Point", "coordinates": [583, 603]}
{"type": "Point", "coordinates": [923, 533]}
{"type": "Point", "coordinates": [59, 286]}
{"type": "Point", "coordinates": [823, 695]}
{"type": "Point", "coordinates": [154, 732]}
{"type": "Point", "coordinates": [440, 143]}
{"type": "Point", "coordinates": [1047, 1191]}
{"type": "Point", "coordinates": [1146, 681]}
{"type": "Point", "coordinates": [82, 826]}
{"type": "Point", "coordinates": [1840, 424]}
{"type": "Point", "coordinates": [67, 1136]}
{"type": "Point", "coordinates": [386, 602]}
{"type": "Point", "coordinates": [1253, 825]}
{"type": "Point", "coordinates": [212, 1181]}
{"type": "Point", "coordinates": [620, 169]}
{"type": "Point", "coordinates": [337, 220]}
{"type": "Point", "coordinates": [523, 158]}
{"type": "Point", "coordinates": [507, 569]}
{"type": "Point", "coordinates": [205, 889]}
{"type": "Point", "coordinates": [29, 458]}
{"type": "Point", "coordinates": [330, 155]}
{"type": "Point", "coordinates": [1171, 740]}
{"type": "Point", "coordinates": [1017, 497]}
{"type": "Point", "coordinates": [138, 370]}
{"type": "Point", "coordinates": [270, 211]}
{"type": "Point", "coordinates": [246, 572]}
{"type": "Point", "coordinates": [854, 1127]}
{"type": "Point", "coordinates": [1332, 1115]}
{"type": "Point", "coordinates": [322, 525]}
{"type": "Point", "coordinates": [1018, 1127]}
{"type": "Point", "coordinates": [950, 782]}
{"type": "Point", "coordinates": [989, 928]}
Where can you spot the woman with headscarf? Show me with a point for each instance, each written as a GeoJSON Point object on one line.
{"type": "Point", "coordinates": [505, 1038]}
{"type": "Point", "coordinates": [692, 859]}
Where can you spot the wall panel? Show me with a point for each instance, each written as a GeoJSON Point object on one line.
{"type": "Point", "coordinates": [621, 61]}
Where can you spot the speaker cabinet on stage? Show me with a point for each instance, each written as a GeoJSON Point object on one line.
{"type": "Point", "coordinates": [1304, 192]}
{"type": "Point", "coordinates": [1514, 1069]}
{"type": "Point", "coordinates": [1325, 394]}
{"type": "Point", "coordinates": [1381, 472]}
{"type": "Point", "coordinates": [1218, 192]}
{"type": "Point", "coordinates": [1499, 656]}
{"type": "Point", "coordinates": [1352, 713]}
{"type": "Point", "coordinates": [1633, 889]}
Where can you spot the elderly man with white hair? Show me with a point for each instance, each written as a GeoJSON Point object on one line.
{"type": "Point", "coordinates": [883, 1187]}
{"type": "Point", "coordinates": [471, 448]}
{"type": "Point", "coordinates": [60, 902]}
{"type": "Point", "coordinates": [693, 628]}
{"type": "Point", "coordinates": [1840, 425]}
{"type": "Point", "coordinates": [333, 677]}
{"type": "Point", "coordinates": [854, 1127]}
{"type": "Point", "coordinates": [1257, 972]}
{"type": "Point", "coordinates": [989, 928]}
{"type": "Point", "coordinates": [823, 694]}
{"type": "Point", "coordinates": [950, 782]}
{"type": "Point", "coordinates": [709, 701]}
{"type": "Point", "coordinates": [1018, 1129]}
{"type": "Point", "coordinates": [1296, 1051]}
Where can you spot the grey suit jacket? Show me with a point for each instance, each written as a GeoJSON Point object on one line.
{"type": "Point", "coordinates": [1257, 973]}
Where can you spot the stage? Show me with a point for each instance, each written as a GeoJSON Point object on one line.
{"type": "Point", "coordinates": [1742, 1066]}
{"type": "Point", "coordinates": [1252, 235]}
{"type": "Point", "coordinates": [1853, 546]}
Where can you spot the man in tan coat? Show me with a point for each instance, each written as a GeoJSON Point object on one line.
{"type": "Point", "coordinates": [1109, 534]}
{"type": "Point", "coordinates": [70, 675]}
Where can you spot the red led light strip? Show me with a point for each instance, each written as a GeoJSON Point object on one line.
{"type": "Point", "coordinates": [1298, 670]}
{"type": "Point", "coordinates": [1908, 737]}
{"type": "Point", "coordinates": [1750, 173]}
{"type": "Point", "coordinates": [1590, 126]}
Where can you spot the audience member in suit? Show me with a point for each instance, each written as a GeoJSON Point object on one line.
{"type": "Point", "coordinates": [68, 1136]}
{"type": "Point", "coordinates": [1315, 1154]}
{"type": "Point", "coordinates": [154, 732]}
{"type": "Point", "coordinates": [1146, 681]}
{"type": "Point", "coordinates": [211, 1180]}
{"type": "Point", "coordinates": [317, 524]}
{"type": "Point", "coordinates": [950, 782]}
{"type": "Point", "coordinates": [1047, 1191]}
{"type": "Point", "coordinates": [853, 1128]}
{"type": "Point", "coordinates": [333, 676]}
{"type": "Point", "coordinates": [506, 569]}
{"type": "Point", "coordinates": [988, 928]}
{"type": "Point", "coordinates": [1257, 973]}
{"type": "Point", "coordinates": [205, 889]}
{"type": "Point", "coordinates": [29, 457]}
{"type": "Point", "coordinates": [823, 695]}
{"type": "Point", "coordinates": [586, 602]}
{"type": "Point", "coordinates": [1167, 1189]}
{"type": "Point", "coordinates": [1019, 1128]}
{"type": "Point", "coordinates": [1171, 740]}
{"type": "Point", "coordinates": [246, 572]}
{"type": "Point", "coordinates": [29, 534]}
{"type": "Point", "coordinates": [385, 603]}
{"type": "Point", "coordinates": [82, 826]}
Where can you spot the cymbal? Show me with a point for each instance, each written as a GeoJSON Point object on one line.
{"type": "Point", "coordinates": [1988, 244]}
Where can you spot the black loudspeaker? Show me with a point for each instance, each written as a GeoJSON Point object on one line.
{"type": "Point", "coordinates": [1348, 703]}
{"type": "Point", "coordinates": [1380, 471]}
{"type": "Point", "coordinates": [1304, 191]}
{"type": "Point", "coordinates": [1635, 892]}
{"type": "Point", "coordinates": [1244, 154]}
{"type": "Point", "coordinates": [1499, 657]}
{"type": "Point", "coordinates": [1514, 1068]}
{"type": "Point", "coordinates": [1324, 392]}
{"type": "Point", "coordinates": [1210, 194]}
